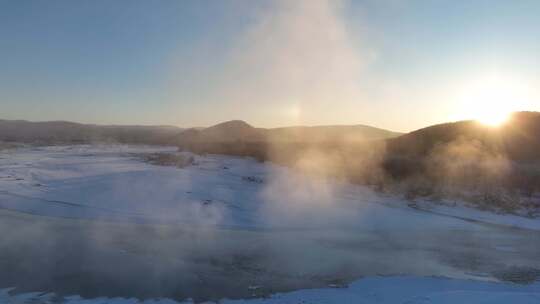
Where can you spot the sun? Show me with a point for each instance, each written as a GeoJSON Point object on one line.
{"type": "Point", "coordinates": [491, 101]}
{"type": "Point", "coordinates": [493, 118]}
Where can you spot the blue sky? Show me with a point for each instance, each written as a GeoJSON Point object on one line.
{"type": "Point", "coordinates": [395, 64]}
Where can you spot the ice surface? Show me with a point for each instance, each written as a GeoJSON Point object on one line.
{"type": "Point", "coordinates": [329, 225]}
{"type": "Point", "coordinates": [111, 182]}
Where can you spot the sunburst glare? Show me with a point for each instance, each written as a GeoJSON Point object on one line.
{"type": "Point", "coordinates": [491, 100]}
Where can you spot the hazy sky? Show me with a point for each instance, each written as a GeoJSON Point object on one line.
{"type": "Point", "coordinates": [394, 64]}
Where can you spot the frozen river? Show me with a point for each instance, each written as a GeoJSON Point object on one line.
{"type": "Point", "coordinates": [97, 221]}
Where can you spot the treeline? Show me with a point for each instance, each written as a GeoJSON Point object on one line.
{"type": "Point", "coordinates": [60, 132]}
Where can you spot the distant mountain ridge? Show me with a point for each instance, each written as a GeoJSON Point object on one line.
{"type": "Point", "coordinates": [336, 133]}
{"type": "Point", "coordinates": [52, 132]}
{"type": "Point", "coordinates": [240, 131]}
{"type": "Point", "coordinates": [233, 131]}
{"type": "Point", "coordinates": [519, 138]}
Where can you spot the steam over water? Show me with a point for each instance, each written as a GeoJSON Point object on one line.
{"type": "Point", "coordinates": [99, 221]}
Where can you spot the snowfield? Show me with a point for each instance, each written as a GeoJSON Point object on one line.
{"type": "Point", "coordinates": [410, 290]}
{"type": "Point", "coordinates": [98, 221]}
{"type": "Point", "coordinates": [111, 182]}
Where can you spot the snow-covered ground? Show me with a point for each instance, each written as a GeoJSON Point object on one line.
{"type": "Point", "coordinates": [111, 182]}
{"type": "Point", "coordinates": [263, 224]}
{"type": "Point", "coordinates": [391, 290]}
